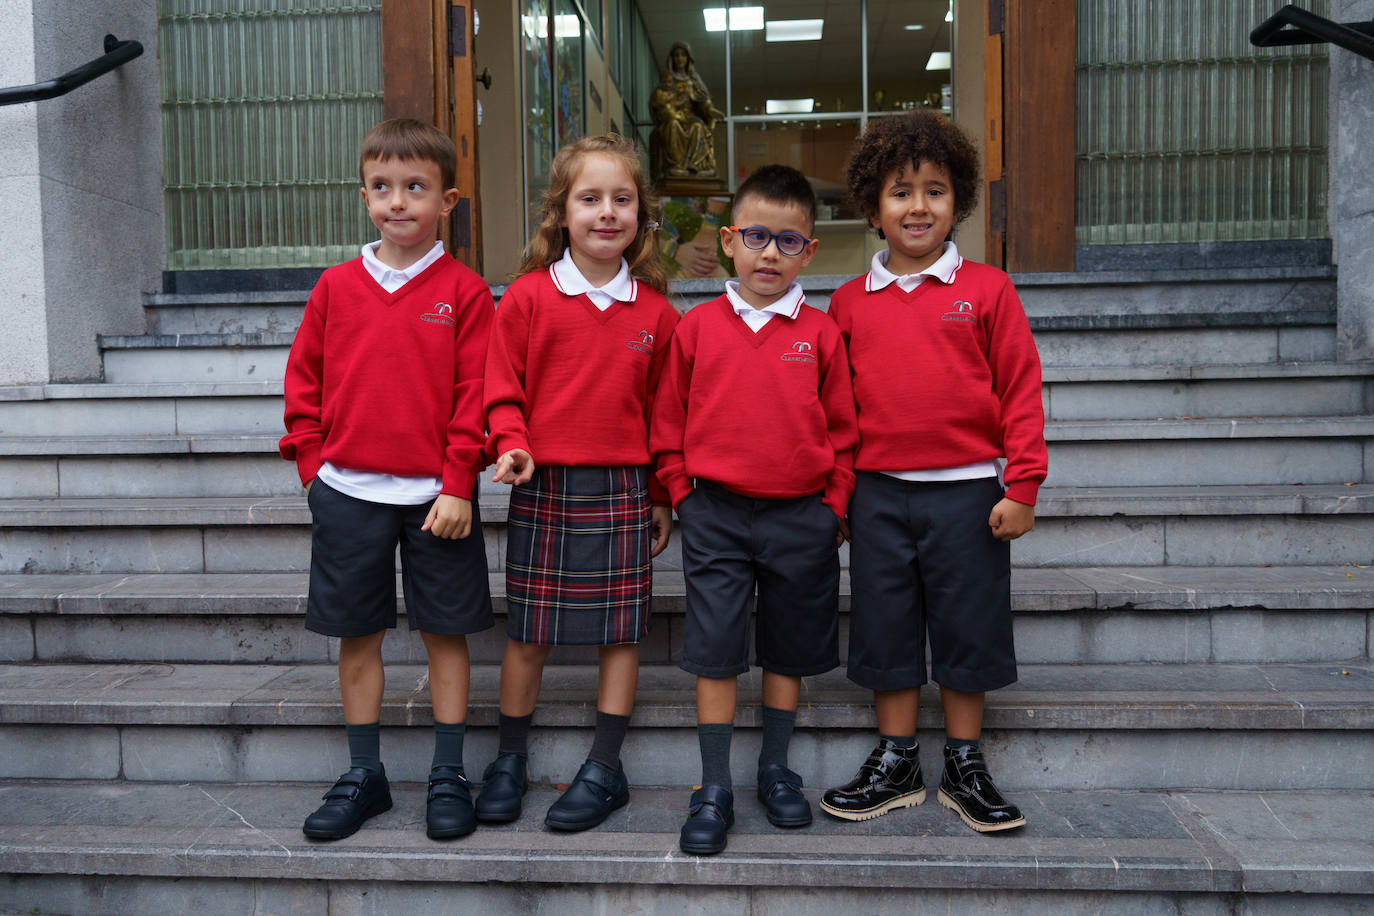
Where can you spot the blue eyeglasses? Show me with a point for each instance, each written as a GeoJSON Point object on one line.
{"type": "Point", "coordinates": [757, 238]}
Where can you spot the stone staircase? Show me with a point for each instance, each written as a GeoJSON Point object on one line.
{"type": "Point", "coordinates": [1194, 615]}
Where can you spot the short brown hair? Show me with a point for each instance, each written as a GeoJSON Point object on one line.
{"type": "Point", "coordinates": [407, 138]}
{"type": "Point", "coordinates": [895, 141]}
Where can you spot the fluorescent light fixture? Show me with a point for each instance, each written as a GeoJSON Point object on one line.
{"type": "Point", "coordinates": [565, 25]}
{"type": "Point", "coordinates": [742, 18]}
{"type": "Point", "coordinates": [793, 29]}
{"type": "Point", "coordinates": [914, 27]}
{"type": "Point", "coordinates": [939, 60]}
{"type": "Point", "coordinates": [790, 106]}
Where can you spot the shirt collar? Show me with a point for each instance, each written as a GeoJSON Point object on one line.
{"type": "Point", "coordinates": [381, 271]}
{"type": "Point", "coordinates": [570, 282]}
{"type": "Point", "coordinates": [944, 268]}
{"type": "Point", "coordinates": [788, 304]}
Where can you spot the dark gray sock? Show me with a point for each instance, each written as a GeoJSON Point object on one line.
{"type": "Point", "coordinates": [953, 744]}
{"type": "Point", "coordinates": [777, 735]}
{"type": "Point", "coordinates": [610, 735]}
{"type": "Point", "coordinates": [365, 746]}
{"type": "Point", "coordinates": [448, 744]}
{"type": "Point", "coordinates": [513, 734]}
{"type": "Point", "coordinates": [715, 753]}
{"type": "Point", "coordinates": [905, 742]}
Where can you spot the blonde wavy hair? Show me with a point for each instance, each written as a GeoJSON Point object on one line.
{"type": "Point", "coordinates": [550, 239]}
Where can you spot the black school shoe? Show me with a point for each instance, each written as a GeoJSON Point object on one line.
{"type": "Point", "coordinates": [889, 779]}
{"type": "Point", "coordinates": [503, 785]}
{"type": "Point", "coordinates": [710, 814]}
{"type": "Point", "coordinates": [590, 798]}
{"type": "Point", "coordinates": [780, 792]}
{"type": "Point", "coordinates": [448, 807]}
{"type": "Point", "coordinates": [967, 788]}
{"type": "Point", "coordinates": [356, 796]}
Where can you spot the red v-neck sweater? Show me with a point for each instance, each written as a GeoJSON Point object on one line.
{"type": "Point", "coordinates": [391, 382]}
{"type": "Point", "coordinates": [571, 384]}
{"type": "Point", "coordinates": [768, 415]}
{"type": "Point", "coordinates": [945, 375]}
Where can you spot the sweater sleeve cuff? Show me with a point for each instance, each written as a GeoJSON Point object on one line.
{"type": "Point", "coordinates": [679, 488]}
{"type": "Point", "coordinates": [1023, 491]}
{"type": "Point", "coordinates": [658, 493]}
{"type": "Point", "coordinates": [308, 463]}
{"type": "Point", "coordinates": [460, 480]}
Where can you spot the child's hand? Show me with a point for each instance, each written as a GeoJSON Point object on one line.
{"type": "Point", "coordinates": [450, 517]}
{"type": "Point", "coordinates": [660, 528]}
{"type": "Point", "coordinates": [514, 467]}
{"type": "Point", "coordinates": [308, 484]}
{"type": "Point", "coordinates": [1010, 519]}
{"type": "Point", "coordinates": [843, 534]}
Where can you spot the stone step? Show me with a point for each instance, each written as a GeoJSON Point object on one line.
{"type": "Point", "coordinates": [224, 849]}
{"type": "Point", "coordinates": [1300, 525]}
{"type": "Point", "coordinates": [1084, 615]}
{"type": "Point", "coordinates": [1062, 726]}
{"type": "Point", "coordinates": [1089, 453]}
{"type": "Point", "coordinates": [1290, 389]}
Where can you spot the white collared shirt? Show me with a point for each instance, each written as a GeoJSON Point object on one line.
{"type": "Point", "coordinates": [943, 270]}
{"type": "Point", "coordinates": [570, 282]}
{"type": "Point", "coordinates": [388, 489]}
{"type": "Point", "coordinates": [788, 305]}
{"type": "Point", "coordinates": [391, 279]}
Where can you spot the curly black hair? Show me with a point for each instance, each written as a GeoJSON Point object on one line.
{"type": "Point", "coordinates": [923, 135]}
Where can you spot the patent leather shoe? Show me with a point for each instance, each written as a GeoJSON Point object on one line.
{"type": "Point", "coordinates": [503, 785]}
{"type": "Point", "coordinates": [354, 797]}
{"type": "Point", "coordinates": [889, 779]}
{"type": "Point", "coordinates": [448, 806]}
{"type": "Point", "coordinates": [590, 798]}
{"type": "Point", "coordinates": [710, 814]}
{"type": "Point", "coordinates": [967, 788]}
{"type": "Point", "coordinates": [780, 792]}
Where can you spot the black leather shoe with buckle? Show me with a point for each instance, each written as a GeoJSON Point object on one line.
{"type": "Point", "coordinates": [967, 788]}
{"type": "Point", "coordinates": [780, 790]}
{"type": "Point", "coordinates": [503, 785]}
{"type": "Point", "coordinates": [356, 796]}
{"type": "Point", "coordinates": [590, 798]}
{"type": "Point", "coordinates": [710, 815]}
{"type": "Point", "coordinates": [889, 779]}
{"type": "Point", "coordinates": [448, 807]}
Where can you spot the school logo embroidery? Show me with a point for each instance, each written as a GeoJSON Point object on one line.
{"type": "Point", "coordinates": [441, 313]}
{"type": "Point", "coordinates": [961, 310]}
{"type": "Point", "coordinates": [800, 353]}
{"type": "Point", "coordinates": [643, 342]}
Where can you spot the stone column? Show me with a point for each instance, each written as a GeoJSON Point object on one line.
{"type": "Point", "coordinates": [1350, 207]}
{"type": "Point", "coordinates": [81, 232]}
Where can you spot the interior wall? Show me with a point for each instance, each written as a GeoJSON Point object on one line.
{"type": "Point", "coordinates": [970, 28]}
{"type": "Point", "coordinates": [500, 159]}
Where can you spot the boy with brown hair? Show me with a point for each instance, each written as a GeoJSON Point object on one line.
{"type": "Point", "coordinates": [384, 422]}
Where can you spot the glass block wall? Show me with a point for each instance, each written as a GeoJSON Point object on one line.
{"type": "Point", "coordinates": [264, 104]}
{"type": "Point", "coordinates": [1188, 133]}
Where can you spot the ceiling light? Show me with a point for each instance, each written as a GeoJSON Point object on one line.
{"type": "Point", "coordinates": [794, 29]}
{"type": "Point", "coordinates": [914, 27]}
{"type": "Point", "coordinates": [790, 106]}
{"type": "Point", "coordinates": [742, 19]}
{"type": "Point", "coordinates": [939, 60]}
{"type": "Point", "coordinates": [949, 15]}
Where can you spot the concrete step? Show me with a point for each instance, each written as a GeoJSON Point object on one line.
{"type": "Point", "coordinates": [1298, 525]}
{"type": "Point", "coordinates": [1087, 615]}
{"type": "Point", "coordinates": [147, 409]}
{"type": "Point", "coordinates": [220, 849]}
{"type": "Point", "coordinates": [1061, 727]}
{"type": "Point", "coordinates": [1091, 453]}
{"type": "Point", "coordinates": [244, 312]}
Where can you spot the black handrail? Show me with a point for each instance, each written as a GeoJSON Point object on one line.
{"type": "Point", "coordinates": [1309, 29]}
{"type": "Point", "coordinates": [116, 53]}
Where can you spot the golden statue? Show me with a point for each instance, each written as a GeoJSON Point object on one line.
{"type": "Point", "coordinates": [682, 144]}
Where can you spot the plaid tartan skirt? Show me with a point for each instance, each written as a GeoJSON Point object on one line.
{"type": "Point", "coordinates": [577, 556]}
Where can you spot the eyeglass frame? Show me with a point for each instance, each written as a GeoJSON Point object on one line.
{"type": "Point", "coordinates": [773, 238]}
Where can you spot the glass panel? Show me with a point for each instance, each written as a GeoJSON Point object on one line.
{"type": "Point", "coordinates": [263, 111]}
{"type": "Point", "coordinates": [567, 37]}
{"type": "Point", "coordinates": [539, 104]}
{"type": "Point", "coordinates": [903, 37]}
{"type": "Point", "coordinates": [826, 70]}
{"type": "Point", "coordinates": [1188, 133]}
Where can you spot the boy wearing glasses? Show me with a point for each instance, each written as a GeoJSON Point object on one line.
{"type": "Point", "coordinates": [753, 434]}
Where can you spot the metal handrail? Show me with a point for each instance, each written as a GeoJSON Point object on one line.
{"type": "Point", "coordinates": [116, 53]}
{"type": "Point", "coordinates": [1309, 29]}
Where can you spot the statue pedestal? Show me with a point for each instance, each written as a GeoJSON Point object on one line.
{"type": "Point", "coordinates": [691, 186]}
